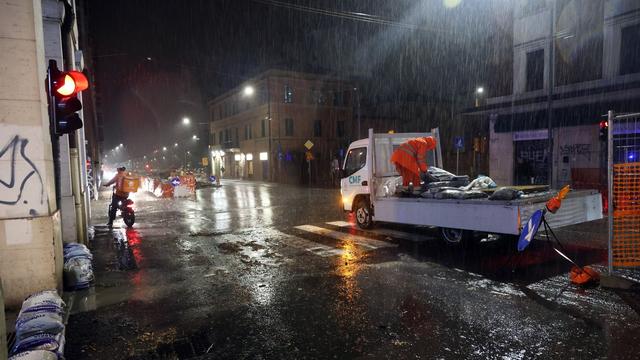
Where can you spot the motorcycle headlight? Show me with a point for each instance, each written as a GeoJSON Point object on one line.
{"type": "Point", "coordinates": [119, 203]}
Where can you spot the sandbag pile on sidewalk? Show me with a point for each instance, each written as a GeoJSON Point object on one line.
{"type": "Point", "coordinates": [40, 327]}
{"type": "Point", "coordinates": [78, 269]}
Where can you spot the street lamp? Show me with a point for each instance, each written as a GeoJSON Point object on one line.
{"type": "Point", "coordinates": [164, 148]}
{"type": "Point", "coordinates": [479, 94]}
{"type": "Point", "coordinates": [186, 121]}
{"type": "Point", "coordinates": [195, 137]}
{"type": "Point", "coordinates": [175, 145]}
{"type": "Point", "coordinates": [249, 90]}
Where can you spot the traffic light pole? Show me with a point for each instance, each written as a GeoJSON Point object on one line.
{"type": "Point", "coordinates": [610, 118]}
{"type": "Point", "coordinates": [55, 141]}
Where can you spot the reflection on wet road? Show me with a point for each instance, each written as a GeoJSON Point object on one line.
{"type": "Point", "coordinates": [254, 270]}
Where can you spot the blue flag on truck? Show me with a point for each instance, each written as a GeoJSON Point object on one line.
{"type": "Point", "coordinates": [529, 230]}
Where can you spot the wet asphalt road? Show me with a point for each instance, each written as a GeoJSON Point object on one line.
{"type": "Point", "coordinates": [262, 271]}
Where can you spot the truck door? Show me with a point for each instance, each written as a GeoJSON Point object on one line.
{"type": "Point", "coordinates": [356, 176]}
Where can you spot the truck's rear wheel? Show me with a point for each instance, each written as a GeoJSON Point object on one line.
{"type": "Point", "coordinates": [455, 237]}
{"type": "Point", "coordinates": [363, 214]}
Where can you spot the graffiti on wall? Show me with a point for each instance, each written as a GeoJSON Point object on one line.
{"type": "Point", "coordinates": [576, 150]}
{"type": "Point", "coordinates": [18, 172]}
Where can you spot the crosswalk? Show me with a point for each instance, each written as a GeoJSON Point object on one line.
{"type": "Point", "coordinates": [325, 240]}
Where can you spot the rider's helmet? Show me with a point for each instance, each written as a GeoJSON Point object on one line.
{"type": "Point", "coordinates": [122, 168]}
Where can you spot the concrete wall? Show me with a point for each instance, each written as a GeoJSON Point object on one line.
{"type": "Point", "coordinates": [501, 161]}
{"type": "Point", "coordinates": [575, 147]}
{"type": "Point", "coordinates": [30, 247]}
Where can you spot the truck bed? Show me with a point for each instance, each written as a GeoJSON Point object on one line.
{"type": "Point", "coordinates": [492, 216]}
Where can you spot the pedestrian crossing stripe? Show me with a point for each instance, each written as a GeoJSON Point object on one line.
{"type": "Point", "coordinates": [386, 232]}
{"type": "Point", "coordinates": [361, 241]}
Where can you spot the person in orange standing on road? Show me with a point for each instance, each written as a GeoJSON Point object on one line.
{"type": "Point", "coordinates": [410, 159]}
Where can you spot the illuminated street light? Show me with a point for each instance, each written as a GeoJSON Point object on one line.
{"type": "Point", "coordinates": [175, 145]}
{"type": "Point", "coordinates": [480, 90]}
{"type": "Point", "coordinates": [121, 145]}
{"type": "Point", "coordinates": [186, 121]}
{"type": "Point", "coordinates": [164, 148]}
{"type": "Point", "coordinates": [194, 137]}
{"type": "Point", "coordinates": [249, 90]}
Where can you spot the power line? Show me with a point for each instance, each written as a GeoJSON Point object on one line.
{"type": "Point", "coordinates": [349, 15]}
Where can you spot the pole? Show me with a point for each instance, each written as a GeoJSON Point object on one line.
{"type": "Point", "coordinates": [457, 160]}
{"type": "Point", "coordinates": [550, 84]}
{"type": "Point", "coordinates": [358, 114]}
{"type": "Point", "coordinates": [610, 118]}
{"type": "Point", "coordinates": [270, 159]}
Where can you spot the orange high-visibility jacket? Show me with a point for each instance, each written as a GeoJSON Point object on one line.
{"type": "Point", "coordinates": [412, 155]}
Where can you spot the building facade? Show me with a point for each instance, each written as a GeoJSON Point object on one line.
{"type": "Point", "coordinates": [572, 61]}
{"type": "Point", "coordinates": [259, 129]}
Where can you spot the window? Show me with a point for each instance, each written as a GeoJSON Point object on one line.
{"type": "Point", "coordinates": [578, 41]}
{"type": "Point", "coordinates": [250, 131]}
{"type": "Point", "coordinates": [236, 139]}
{"type": "Point", "coordinates": [288, 94]}
{"type": "Point", "coordinates": [263, 128]}
{"type": "Point", "coordinates": [356, 159]}
{"type": "Point", "coordinates": [340, 129]}
{"type": "Point", "coordinates": [630, 50]}
{"type": "Point", "coordinates": [288, 127]}
{"type": "Point", "coordinates": [535, 70]}
{"type": "Point", "coordinates": [212, 138]}
{"type": "Point", "coordinates": [220, 140]}
{"type": "Point", "coordinates": [317, 128]}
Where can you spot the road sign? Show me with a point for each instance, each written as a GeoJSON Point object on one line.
{"type": "Point", "coordinates": [212, 178]}
{"type": "Point", "coordinates": [308, 144]}
{"type": "Point", "coordinates": [529, 230]}
{"type": "Point", "coordinates": [458, 143]}
{"type": "Point", "coordinates": [205, 161]}
{"type": "Point", "coordinates": [308, 156]}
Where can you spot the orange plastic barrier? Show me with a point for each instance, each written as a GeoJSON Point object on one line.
{"type": "Point", "coordinates": [626, 215]}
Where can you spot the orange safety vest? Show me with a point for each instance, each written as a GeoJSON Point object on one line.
{"type": "Point", "coordinates": [412, 154]}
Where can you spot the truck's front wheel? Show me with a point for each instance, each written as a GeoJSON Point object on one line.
{"type": "Point", "coordinates": [363, 214]}
{"type": "Point", "coordinates": [455, 237]}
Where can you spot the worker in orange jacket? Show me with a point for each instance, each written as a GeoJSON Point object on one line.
{"type": "Point", "coordinates": [410, 159]}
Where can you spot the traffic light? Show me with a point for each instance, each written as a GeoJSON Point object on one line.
{"type": "Point", "coordinates": [63, 88]}
{"type": "Point", "coordinates": [604, 130]}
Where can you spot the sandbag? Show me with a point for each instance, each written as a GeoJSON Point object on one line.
{"type": "Point", "coordinates": [474, 194]}
{"type": "Point", "coordinates": [38, 322]}
{"type": "Point", "coordinates": [481, 182]}
{"type": "Point", "coordinates": [41, 341]}
{"type": "Point", "coordinates": [449, 194]}
{"type": "Point", "coordinates": [505, 193]}
{"type": "Point", "coordinates": [35, 355]}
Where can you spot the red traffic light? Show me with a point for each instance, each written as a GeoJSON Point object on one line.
{"type": "Point", "coordinates": [604, 124]}
{"type": "Point", "coordinates": [70, 83]}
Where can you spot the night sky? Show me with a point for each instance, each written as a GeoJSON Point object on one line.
{"type": "Point", "coordinates": [157, 61]}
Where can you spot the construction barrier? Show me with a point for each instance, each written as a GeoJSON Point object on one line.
{"type": "Point", "coordinates": [185, 188]}
{"type": "Point", "coordinates": [626, 215]}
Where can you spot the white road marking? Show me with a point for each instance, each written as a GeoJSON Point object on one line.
{"type": "Point", "coordinates": [388, 232]}
{"type": "Point", "coordinates": [340, 224]}
{"type": "Point", "coordinates": [362, 241]}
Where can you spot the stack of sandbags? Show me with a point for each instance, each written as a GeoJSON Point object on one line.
{"type": "Point", "coordinates": [40, 328]}
{"type": "Point", "coordinates": [78, 269]}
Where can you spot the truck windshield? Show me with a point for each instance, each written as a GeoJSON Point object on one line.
{"type": "Point", "coordinates": [356, 159]}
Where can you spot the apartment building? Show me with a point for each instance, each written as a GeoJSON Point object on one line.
{"type": "Point", "coordinates": [572, 61]}
{"type": "Point", "coordinates": [259, 129]}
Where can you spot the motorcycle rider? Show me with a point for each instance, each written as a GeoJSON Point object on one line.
{"type": "Point", "coordinates": [118, 196]}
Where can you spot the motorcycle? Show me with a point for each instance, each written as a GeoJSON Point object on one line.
{"type": "Point", "coordinates": [126, 211]}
